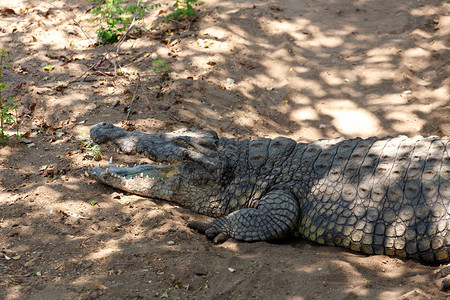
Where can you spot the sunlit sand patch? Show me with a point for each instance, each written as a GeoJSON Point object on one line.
{"type": "Point", "coordinates": [401, 121]}
{"type": "Point", "coordinates": [350, 119]}
{"type": "Point", "coordinates": [304, 113]}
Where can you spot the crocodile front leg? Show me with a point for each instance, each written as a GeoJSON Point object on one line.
{"type": "Point", "coordinates": [274, 217]}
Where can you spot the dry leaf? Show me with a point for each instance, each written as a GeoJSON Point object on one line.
{"type": "Point", "coordinates": [99, 287]}
{"type": "Point", "coordinates": [7, 11]}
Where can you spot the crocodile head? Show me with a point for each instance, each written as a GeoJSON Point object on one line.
{"type": "Point", "coordinates": [187, 173]}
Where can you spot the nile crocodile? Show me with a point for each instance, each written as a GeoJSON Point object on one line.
{"type": "Point", "coordinates": [376, 196]}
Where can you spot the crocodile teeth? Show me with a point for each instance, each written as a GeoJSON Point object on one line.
{"type": "Point", "coordinates": [107, 171]}
{"type": "Point", "coordinates": [142, 174]}
{"type": "Point", "coordinates": [110, 160]}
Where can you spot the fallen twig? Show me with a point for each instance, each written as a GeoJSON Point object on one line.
{"type": "Point", "coordinates": [123, 38]}
{"type": "Point", "coordinates": [181, 23]}
{"type": "Point", "coordinates": [72, 214]}
{"type": "Point", "coordinates": [93, 66]}
{"type": "Point", "coordinates": [134, 95]}
{"type": "Point", "coordinates": [18, 275]}
{"type": "Point", "coordinates": [90, 68]}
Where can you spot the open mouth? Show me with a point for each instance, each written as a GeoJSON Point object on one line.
{"type": "Point", "coordinates": [149, 171]}
{"type": "Point", "coordinates": [140, 171]}
{"type": "Point", "coordinates": [146, 180]}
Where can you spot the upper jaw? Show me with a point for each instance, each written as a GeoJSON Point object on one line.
{"type": "Point", "coordinates": [179, 146]}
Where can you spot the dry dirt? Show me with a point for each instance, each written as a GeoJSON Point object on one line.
{"type": "Point", "coordinates": [302, 69]}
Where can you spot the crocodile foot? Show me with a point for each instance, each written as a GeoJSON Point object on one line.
{"type": "Point", "coordinates": [444, 273]}
{"type": "Point", "coordinates": [212, 231]}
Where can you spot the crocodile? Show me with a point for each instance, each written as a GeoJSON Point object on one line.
{"type": "Point", "coordinates": [386, 196]}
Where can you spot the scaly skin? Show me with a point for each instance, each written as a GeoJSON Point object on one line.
{"type": "Point", "coordinates": [377, 196]}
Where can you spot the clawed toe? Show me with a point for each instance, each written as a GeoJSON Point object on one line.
{"type": "Point", "coordinates": [444, 273]}
{"type": "Point", "coordinates": [220, 238]}
{"type": "Point", "coordinates": [199, 226]}
{"type": "Point", "coordinates": [209, 230]}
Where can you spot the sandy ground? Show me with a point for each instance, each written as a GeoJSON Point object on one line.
{"type": "Point", "coordinates": [301, 69]}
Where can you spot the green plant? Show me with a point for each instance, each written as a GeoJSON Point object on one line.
{"type": "Point", "coordinates": [184, 10]}
{"type": "Point", "coordinates": [160, 67]}
{"type": "Point", "coordinates": [6, 106]}
{"type": "Point", "coordinates": [114, 17]}
{"type": "Point", "coordinates": [91, 148]}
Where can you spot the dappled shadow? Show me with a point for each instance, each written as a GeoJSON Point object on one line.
{"type": "Point", "coordinates": [78, 256]}
{"type": "Point", "coordinates": [306, 70]}
{"type": "Point", "coordinates": [363, 74]}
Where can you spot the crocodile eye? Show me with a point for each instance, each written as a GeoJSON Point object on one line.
{"type": "Point", "coordinates": [181, 141]}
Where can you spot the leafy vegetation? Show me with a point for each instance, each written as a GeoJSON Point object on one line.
{"type": "Point", "coordinates": [90, 148]}
{"type": "Point", "coordinates": [115, 17]}
{"type": "Point", "coordinates": [160, 67]}
{"type": "Point", "coordinates": [6, 107]}
{"type": "Point", "coordinates": [184, 10]}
